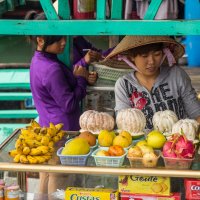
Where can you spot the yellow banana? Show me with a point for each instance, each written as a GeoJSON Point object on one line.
{"type": "Point", "coordinates": [18, 143]}
{"type": "Point", "coordinates": [23, 159]}
{"type": "Point", "coordinates": [60, 134]}
{"type": "Point", "coordinates": [43, 130]}
{"type": "Point", "coordinates": [51, 144]}
{"type": "Point", "coordinates": [51, 149]}
{"type": "Point", "coordinates": [25, 131]}
{"type": "Point", "coordinates": [32, 159]}
{"type": "Point", "coordinates": [13, 153]}
{"type": "Point", "coordinates": [51, 125]}
{"type": "Point", "coordinates": [40, 159]}
{"type": "Point", "coordinates": [35, 152]}
{"type": "Point", "coordinates": [34, 123]}
{"type": "Point", "coordinates": [46, 157]}
{"type": "Point", "coordinates": [33, 143]}
{"type": "Point", "coordinates": [56, 138]}
{"type": "Point", "coordinates": [36, 129]}
{"type": "Point", "coordinates": [26, 150]}
{"type": "Point", "coordinates": [59, 126]}
{"type": "Point", "coordinates": [43, 149]}
{"type": "Point", "coordinates": [51, 132]}
{"type": "Point", "coordinates": [17, 158]}
{"type": "Point", "coordinates": [45, 140]}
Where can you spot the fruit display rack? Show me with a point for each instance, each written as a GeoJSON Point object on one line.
{"type": "Point", "coordinates": [6, 164]}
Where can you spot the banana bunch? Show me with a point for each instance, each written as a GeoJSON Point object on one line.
{"type": "Point", "coordinates": [35, 144]}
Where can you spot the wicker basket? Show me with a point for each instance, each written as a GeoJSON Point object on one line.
{"type": "Point", "coordinates": [109, 73]}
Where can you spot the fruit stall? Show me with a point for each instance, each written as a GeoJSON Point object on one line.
{"type": "Point", "coordinates": [113, 159]}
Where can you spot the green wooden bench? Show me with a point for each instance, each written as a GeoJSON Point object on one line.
{"type": "Point", "coordinates": [15, 86]}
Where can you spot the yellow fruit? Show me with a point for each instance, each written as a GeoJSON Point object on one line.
{"type": "Point", "coordinates": [13, 153]}
{"type": "Point", "coordinates": [56, 138]}
{"type": "Point", "coordinates": [105, 138]}
{"type": "Point", "coordinates": [32, 159]}
{"type": "Point", "coordinates": [26, 150]}
{"type": "Point", "coordinates": [35, 152]}
{"type": "Point", "coordinates": [156, 139]}
{"type": "Point", "coordinates": [17, 158]}
{"type": "Point", "coordinates": [141, 142]}
{"type": "Point", "coordinates": [77, 146]}
{"type": "Point", "coordinates": [34, 123]}
{"type": "Point", "coordinates": [121, 141]}
{"type": "Point", "coordinates": [45, 140]}
{"type": "Point", "coordinates": [43, 149]}
{"type": "Point", "coordinates": [23, 159]}
{"type": "Point", "coordinates": [59, 126]}
{"type": "Point", "coordinates": [127, 135]}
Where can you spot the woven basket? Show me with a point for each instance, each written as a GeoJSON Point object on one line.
{"type": "Point", "coordinates": [108, 73]}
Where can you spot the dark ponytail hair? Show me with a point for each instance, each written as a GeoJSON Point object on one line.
{"type": "Point", "coordinates": [48, 40]}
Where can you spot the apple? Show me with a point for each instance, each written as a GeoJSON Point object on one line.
{"type": "Point", "coordinates": [121, 141]}
{"type": "Point", "coordinates": [134, 151]}
{"type": "Point", "coordinates": [146, 149]}
{"type": "Point", "coordinates": [149, 159]}
{"type": "Point", "coordinates": [156, 139]}
{"type": "Point", "coordinates": [102, 153]}
{"type": "Point", "coordinates": [116, 150]}
{"type": "Point", "coordinates": [127, 135]}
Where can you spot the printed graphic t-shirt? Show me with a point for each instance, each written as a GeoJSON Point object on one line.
{"type": "Point", "coordinates": [172, 91]}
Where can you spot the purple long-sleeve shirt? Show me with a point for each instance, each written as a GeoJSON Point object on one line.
{"type": "Point", "coordinates": [80, 43]}
{"type": "Point", "coordinates": [56, 91]}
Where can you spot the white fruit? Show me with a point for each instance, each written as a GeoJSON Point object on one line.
{"type": "Point", "coordinates": [131, 120]}
{"type": "Point", "coordinates": [164, 120]}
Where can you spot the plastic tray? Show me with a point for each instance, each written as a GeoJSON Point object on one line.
{"type": "Point", "coordinates": [177, 163]}
{"type": "Point", "coordinates": [137, 162]}
{"type": "Point", "coordinates": [108, 161]}
{"type": "Point", "coordinates": [77, 160]}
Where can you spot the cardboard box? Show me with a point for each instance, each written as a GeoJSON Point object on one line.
{"type": "Point", "coordinates": [125, 196]}
{"type": "Point", "coordinates": [91, 193]}
{"type": "Point", "coordinates": [144, 185]}
{"type": "Point", "coordinates": [192, 188]}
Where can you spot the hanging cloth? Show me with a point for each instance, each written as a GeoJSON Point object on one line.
{"type": "Point", "coordinates": [168, 9]}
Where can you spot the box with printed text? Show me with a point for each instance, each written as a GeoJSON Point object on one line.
{"type": "Point", "coordinates": [144, 185]}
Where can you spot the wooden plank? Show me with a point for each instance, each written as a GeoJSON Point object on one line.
{"type": "Point", "coordinates": [64, 9]}
{"type": "Point", "coordinates": [116, 9]}
{"type": "Point", "coordinates": [48, 9]}
{"type": "Point", "coordinates": [18, 114]}
{"type": "Point", "coordinates": [101, 9]}
{"type": "Point", "coordinates": [153, 9]}
{"type": "Point", "coordinates": [100, 27]}
{"type": "Point", "coordinates": [14, 79]}
{"type": "Point", "coordinates": [14, 96]}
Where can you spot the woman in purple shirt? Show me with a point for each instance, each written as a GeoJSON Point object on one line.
{"type": "Point", "coordinates": [57, 92]}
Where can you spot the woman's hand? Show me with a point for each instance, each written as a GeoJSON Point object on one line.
{"type": "Point", "coordinates": [81, 71]}
{"type": "Point", "coordinates": [92, 78]}
{"type": "Point", "coordinates": [92, 56]}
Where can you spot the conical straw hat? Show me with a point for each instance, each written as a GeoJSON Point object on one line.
{"type": "Point", "coordinates": [131, 42]}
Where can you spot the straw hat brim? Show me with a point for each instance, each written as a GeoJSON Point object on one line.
{"type": "Point", "coordinates": [131, 42]}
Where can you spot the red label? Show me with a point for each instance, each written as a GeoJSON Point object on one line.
{"type": "Point", "coordinates": [192, 188]}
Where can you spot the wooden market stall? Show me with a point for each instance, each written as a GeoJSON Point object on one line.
{"type": "Point", "coordinates": [100, 26]}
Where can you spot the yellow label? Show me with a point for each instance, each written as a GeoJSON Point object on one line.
{"type": "Point", "coordinates": [75, 193]}
{"type": "Point", "coordinates": [144, 185]}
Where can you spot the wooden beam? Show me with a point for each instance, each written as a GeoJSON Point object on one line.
{"type": "Point", "coordinates": [48, 9]}
{"type": "Point", "coordinates": [101, 9]}
{"type": "Point", "coordinates": [100, 27]}
{"type": "Point", "coordinates": [153, 9]}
